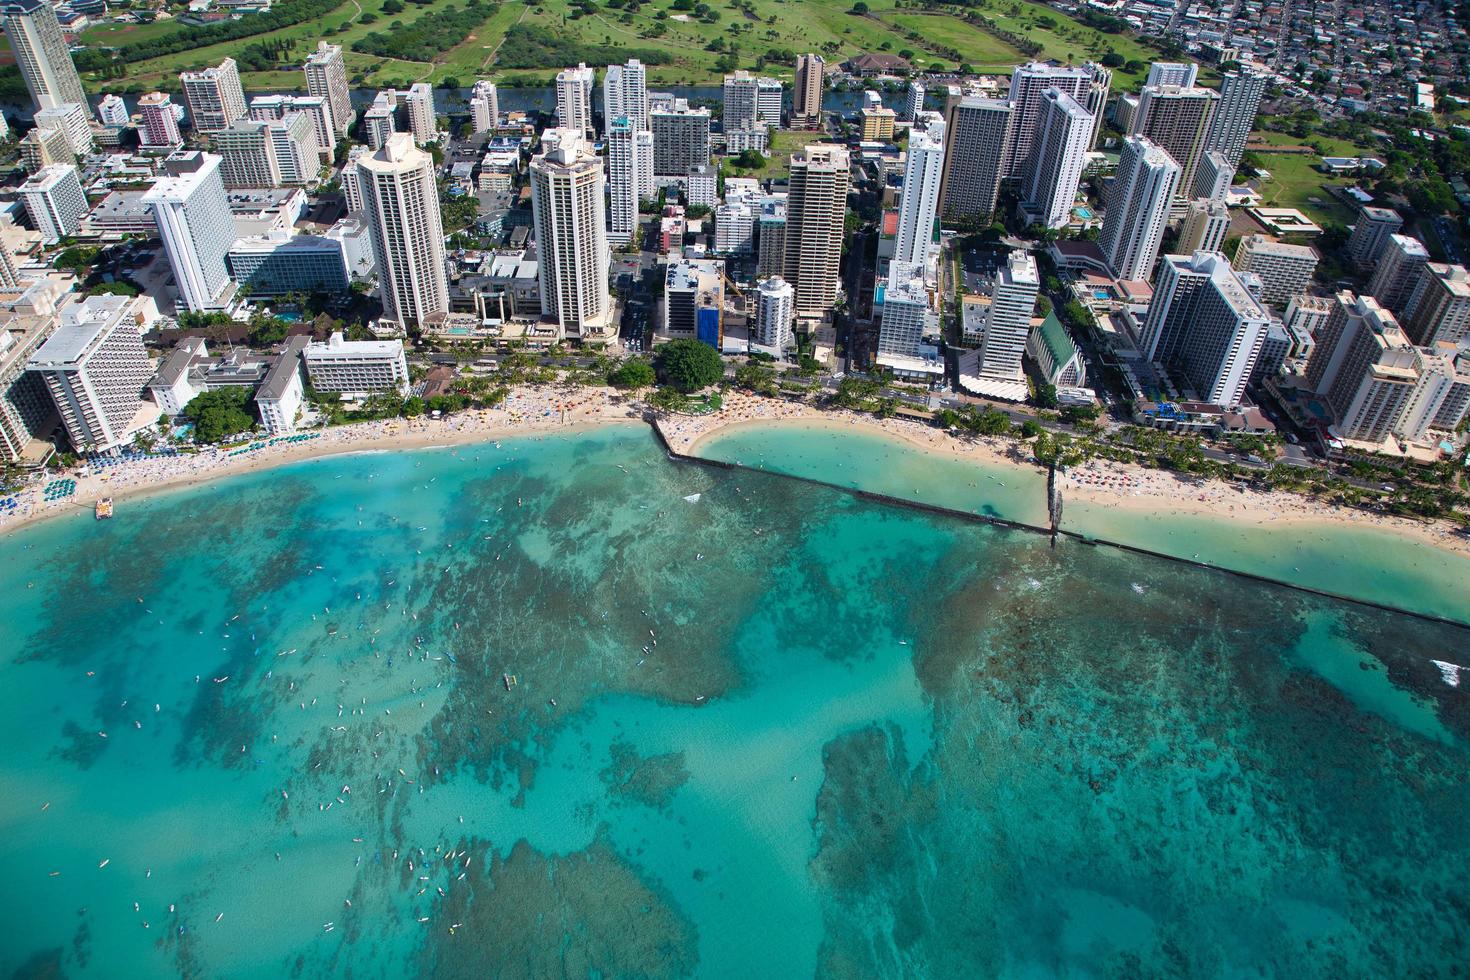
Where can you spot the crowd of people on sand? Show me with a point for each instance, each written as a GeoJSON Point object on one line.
{"type": "Point", "coordinates": [1099, 481]}
{"type": "Point", "coordinates": [553, 407]}
{"type": "Point", "coordinates": [527, 408]}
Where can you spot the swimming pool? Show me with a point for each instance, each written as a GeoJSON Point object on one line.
{"type": "Point", "coordinates": [1084, 213]}
{"type": "Point", "coordinates": [1101, 294]}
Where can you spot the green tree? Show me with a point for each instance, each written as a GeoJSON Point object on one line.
{"type": "Point", "coordinates": [689, 365]}
{"type": "Point", "coordinates": [669, 399]}
{"type": "Point", "coordinates": [219, 414]}
{"type": "Point", "coordinates": [756, 377]}
{"type": "Point", "coordinates": [632, 375]}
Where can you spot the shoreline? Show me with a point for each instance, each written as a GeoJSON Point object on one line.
{"type": "Point", "coordinates": [523, 413]}
{"type": "Point", "coordinates": [1097, 484]}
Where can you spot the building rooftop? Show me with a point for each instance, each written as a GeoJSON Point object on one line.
{"type": "Point", "coordinates": [1055, 337]}
{"type": "Point", "coordinates": [176, 365]}
{"type": "Point", "coordinates": [278, 378]}
{"type": "Point", "coordinates": [339, 346]}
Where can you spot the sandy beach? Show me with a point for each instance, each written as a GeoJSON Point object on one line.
{"type": "Point", "coordinates": [525, 411]}
{"type": "Point", "coordinates": [531, 410]}
{"type": "Point", "coordinates": [1099, 482]}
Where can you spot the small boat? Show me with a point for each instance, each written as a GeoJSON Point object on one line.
{"type": "Point", "coordinates": [103, 510]}
{"type": "Point", "coordinates": [693, 498]}
{"type": "Point", "coordinates": [509, 680]}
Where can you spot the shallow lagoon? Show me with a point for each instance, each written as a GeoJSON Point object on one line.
{"type": "Point", "coordinates": [1358, 562]}
{"type": "Point", "coordinates": [868, 742]}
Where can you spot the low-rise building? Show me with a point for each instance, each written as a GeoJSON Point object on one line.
{"type": "Point", "coordinates": [1055, 355]}
{"type": "Point", "coordinates": [172, 387]}
{"type": "Point", "coordinates": [357, 367]}
{"type": "Point", "coordinates": [280, 395]}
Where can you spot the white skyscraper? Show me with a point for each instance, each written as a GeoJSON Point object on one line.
{"type": "Point", "coordinates": [54, 199]}
{"type": "Point", "coordinates": [1138, 208]}
{"type": "Point", "coordinates": [1371, 376]}
{"type": "Point", "coordinates": [421, 121]}
{"type": "Point", "coordinates": [158, 127]}
{"type": "Point", "coordinates": [741, 103]}
{"type": "Point", "coordinates": [1095, 99]}
{"type": "Point", "coordinates": [571, 238]}
{"type": "Point", "coordinates": [1370, 235]}
{"type": "Point", "coordinates": [574, 99]}
{"type": "Point", "coordinates": [1063, 138]}
{"type": "Point", "coordinates": [907, 315]}
{"type": "Point", "coordinates": [1029, 83]}
{"type": "Point", "coordinates": [1204, 322]}
{"type": "Point", "coordinates": [625, 94]}
{"type": "Point", "coordinates": [680, 138]}
{"type": "Point", "coordinates": [913, 102]}
{"type": "Point", "coordinates": [72, 120]}
{"type": "Point", "coordinates": [41, 53]}
{"type": "Point", "coordinates": [775, 311]}
{"type": "Point", "coordinates": [194, 221]}
{"type": "Point", "coordinates": [1438, 307]}
{"type": "Point", "coordinates": [95, 368]}
{"type": "Point", "coordinates": [629, 169]}
{"type": "Point", "coordinates": [378, 122]}
{"type": "Point", "coordinates": [484, 106]}
{"type": "Point", "coordinates": [1213, 177]}
{"type": "Point", "coordinates": [1182, 74]}
{"type": "Point", "coordinates": [273, 153]}
{"type": "Point", "coordinates": [401, 199]}
{"type": "Point", "coordinates": [112, 111]}
{"type": "Point", "coordinates": [326, 78]}
{"type": "Point", "coordinates": [1285, 270]}
{"type": "Point", "coordinates": [1398, 272]}
{"type": "Point", "coordinates": [214, 96]}
{"type": "Point", "coordinates": [1235, 115]}
{"type": "Point", "coordinates": [643, 157]}
{"type": "Point", "coordinates": [1008, 321]}
{"type": "Point", "coordinates": [768, 97]}
{"type": "Point", "coordinates": [918, 211]}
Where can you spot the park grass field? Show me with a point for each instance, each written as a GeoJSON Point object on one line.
{"type": "Point", "coordinates": [825, 26]}
{"type": "Point", "coordinates": [783, 144]}
{"type": "Point", "coordinates": [1296, 183]}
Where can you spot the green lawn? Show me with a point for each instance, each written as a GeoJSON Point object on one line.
{"type": "Point", "coordinates": [113, 34]}
{"type": "Point", "coordinates": [825, 26]}
{"type": "Point", "coordinates": [784, 143]}
{"type": "Point", "coordinates": [1070, 40]}
{"type": "Point", "coordinates": [1295, 181]}
{"type": "Point", "coordinates": [1331, 146]}
{"type": "Point", "coordinates": [983, 51]}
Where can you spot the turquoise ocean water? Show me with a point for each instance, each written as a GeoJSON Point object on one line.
{"type": "Point", "coordinates": [1358, 562]}
{"type": "Point", "coordinates": [262, 728]}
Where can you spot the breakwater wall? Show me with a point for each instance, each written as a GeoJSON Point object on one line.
{"type": "Point", "coordinates": [1080, 538]}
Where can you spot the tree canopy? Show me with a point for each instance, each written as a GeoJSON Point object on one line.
{"type": "Point", "coordinates": [632, 374]}
{"type": "Point", "coordinates": [220, 413]}
{"type": "Point", "coordinates": [689, 365]}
